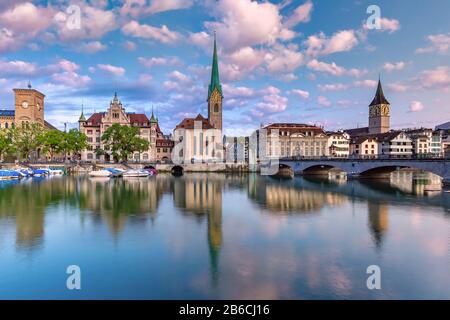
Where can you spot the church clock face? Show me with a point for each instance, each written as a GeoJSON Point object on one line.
{"type": "Point", "coordinates": [25, 105]}
{"type": "Point", "coordinates": [385, 110]}
{"type": "Point", "coordinates": [215, 97]}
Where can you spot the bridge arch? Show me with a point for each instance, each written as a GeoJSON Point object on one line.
{"type": "Point", "coordinates": [177, 171]}
{"type": "Point", "coordinates": [321, 169]}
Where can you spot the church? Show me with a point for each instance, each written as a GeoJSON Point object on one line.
{"type": "Point", "coordinates": [200, 139]}
{"type": "Point", "coordinates": [29, 109]}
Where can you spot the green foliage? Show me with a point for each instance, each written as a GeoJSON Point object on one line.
{"type": "Point", "coordinates": [122, 141]}
{"type": "Point", "coordinates": [75, 141]}
{"type": "Point", "coordinates": [27, 139]}
{"type": "Point", "coordinates": [53, 142]}
{"type": "Point", "coordinates": [6, 146]}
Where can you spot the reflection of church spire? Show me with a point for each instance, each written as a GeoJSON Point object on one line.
{"type": "Point", "coordinates": [378, 221]}
{"type": "Point", "coordinates": [215, 241]}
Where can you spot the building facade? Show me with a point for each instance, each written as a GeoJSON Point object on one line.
{"type": "Point", "coordinates": [338, 144]}
{"type": "Point", "coordinates": [94, 127]}
{"type": "Point", "coordinates": [28, 109]}
{"type": "Point", "coordinates": [292, 140]}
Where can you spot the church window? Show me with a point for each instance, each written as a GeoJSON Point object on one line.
{"type": "Point", "coordinates": [216, 107]}
{"type": "Point", "coordinates": [6, 125]}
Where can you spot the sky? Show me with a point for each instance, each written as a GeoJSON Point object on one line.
{"type": "Point", "coordinates": [303, 61]}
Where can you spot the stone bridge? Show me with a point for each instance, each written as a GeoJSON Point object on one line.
{"type": "Point", "coordinates": [368, 167]}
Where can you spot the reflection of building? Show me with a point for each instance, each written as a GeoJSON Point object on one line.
{"type": "Point", "coordinates": [202, 195]}
{"type": "Point", "coordinates": [29, 108]}
{"type": "Point", "coordinates": [200, 138]}
{"type": "Point", "coordinates": [95, 126]}
{"type": "Point", "coordinates": [378, 220]}
{"type": "Point", "coordinates": [280, 198]}
{"type": "Point", "coordinates": [294, 140]}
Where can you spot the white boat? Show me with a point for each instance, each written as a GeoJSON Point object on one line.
{"type": "Point", "coordinates": [136, 173]}
{"type": "Point", "coordinates": [100, 173]}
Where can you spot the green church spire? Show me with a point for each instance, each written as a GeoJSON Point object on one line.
{"type": "Point", "coordinates": [215, 81]}
{"type": "Point", "coordinates": [82, 117]}
{"type": "Point", "coordinates": [153, 119]}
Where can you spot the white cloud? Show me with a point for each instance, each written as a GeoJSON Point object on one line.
{"type": "Point", "coordinates": [390, 25]}
{"type": "Point", "coordinates": [397, 87]}
{"type": "Point", "coordinates": [341, 41]}
{"type": "Point", "coordinates": [323, 101]}
{"type": "Point", "coordinates": [301, 14]}
{"type": "Point", "coordinates": [71, 79]}
{"type": "Point", "coordinates": [389, 67]}
{"type": "Point", "coordinates": [232, 92]}
{"type": "Point", "coordinates": [116, 71]}
{"type": "Point", "coordinates": [440, 43]}
{"type": "Point", "coordinates": [91, 47]}
{"type": "Point", "coordinates": [331, 68]}
{"type": "Point", "coordinates": [272, 102]}
{"type": "Point", "coordinates": [159, 61]}
{"type": "Point", "coordinates": [301, 93]}
{"type": "Point", "coordinates": [416, 106]}
{"type": "Point", "coordinates": [137, 8]}
{"type": "Point", "coordinates": [163, 34]}
{"type": "Point", "coordinates": [333, 87]}
{"type": "Point", "coordinates": [95, 23]}
{"type": "Point", "coordinates": [245, 23]}
{"type": "Point", "coordinates": [438, 78]}
{"type": "Point", "coordinates": [370, 84]}
{"type": "Point", "coordinates": [17, 68]}
{"type": "Point", "coordinates": [283, 59]}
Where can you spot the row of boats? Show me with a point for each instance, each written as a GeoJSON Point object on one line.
{"type": "Point", "coordinates": [12, 174]}
{"type": "Point", "coordinates": [117, 172]}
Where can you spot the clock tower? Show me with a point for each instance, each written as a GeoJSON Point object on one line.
{"type": "Point", "coordinates": [379, 112]}
{"type": "Point", "coordinates": [215, 95]}
{"type": "Point", "coordinates": [29, 106]}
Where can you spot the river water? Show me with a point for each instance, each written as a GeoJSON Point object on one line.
{"type": "Point", "coordinates": [217, 236]}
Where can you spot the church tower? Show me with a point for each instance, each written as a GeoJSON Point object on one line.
{"type": "Point", "coordinates": [215, 95]}
{"type": "Point", "coordinates": [379, 112]}
{"type": "Point", "coordinates": [29, 106]}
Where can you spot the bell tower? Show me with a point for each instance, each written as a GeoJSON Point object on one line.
{"type": "Point", "coordinates": [379, 112]}
{"type": "Point", "coordinates": [29, 106]}
{"type": "Point", "coordinates": [215, 95]}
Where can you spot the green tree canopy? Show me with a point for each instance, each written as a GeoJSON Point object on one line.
{"type": "Point", "coordinates": [122, 141]}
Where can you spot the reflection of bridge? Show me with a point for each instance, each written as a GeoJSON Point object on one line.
{"type": "Point", "coordinates": [368, 167]}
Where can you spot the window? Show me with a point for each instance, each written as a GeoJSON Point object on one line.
{"type": "Point", "coordinates": [90, 156]}
{"type": "Point", "coordinates": [216, 107]}
{"type": "Point", "coordinates": [89, 132]}
{"type": "Point", "coordinates": [145, 157]}
{"type": "Point", "coordinates": [6, 125]}
{"type": "Point", "coordinates": [89, 139]}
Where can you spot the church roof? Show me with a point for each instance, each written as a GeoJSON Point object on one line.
{"type": "Point", "coordinates": [215, 81]}
{"type": "Point", "coordinates": [188, 123]}
{"type": "Point", "coordinates": [379, 96]}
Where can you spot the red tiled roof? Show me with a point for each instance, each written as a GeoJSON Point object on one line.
{"type": "Point", "coordinates": [138, 118]}
{"type": "Point", "coordinates": [188, 123]}
{"type": "Point", "coordinates": [95, 119]}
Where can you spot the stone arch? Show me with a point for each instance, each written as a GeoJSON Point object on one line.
{"type": "Point", "coordinates": [320, 169]}
{"type": "Point", "coordinates": [177, 170]}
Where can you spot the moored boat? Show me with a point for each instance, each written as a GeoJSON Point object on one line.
{"type": "Point", "coordinates": [10, 174]}
{"type": "Point", "coordinates": [115, 172]}
{"type": "Point", "coordinates": [151, 170]}
{"type": "Point", "coordinates": [100, 173]}
{"type": "Point", "coordinates": [136, 173]}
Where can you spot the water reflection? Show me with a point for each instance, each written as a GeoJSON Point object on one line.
{"type": "Point", "coordinates": [301, 238]}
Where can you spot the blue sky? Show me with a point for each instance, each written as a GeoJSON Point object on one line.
{"type": "Point", "coordinates": [298, 61]}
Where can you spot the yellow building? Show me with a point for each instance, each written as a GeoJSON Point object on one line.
{"type": "Point", "coordinates": [28, 109]}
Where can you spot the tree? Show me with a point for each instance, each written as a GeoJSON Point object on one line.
{"type": "Point", "coordinates": [123, 141]}
{"type": "Point", "coordinates": [27, 139]}
{"type": "Point", "coordinates": [6, 145]}
{"type": "Point", "coordinates": [53, 141]}
{"type": "Point", "coordinates": [75, 141]}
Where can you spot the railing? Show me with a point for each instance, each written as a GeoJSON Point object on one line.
{"type": "Point", "coordinates": [365, 158]}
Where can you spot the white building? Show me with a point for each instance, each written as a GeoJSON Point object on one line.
{"type": "Point", "coordinates": [338, 144]}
